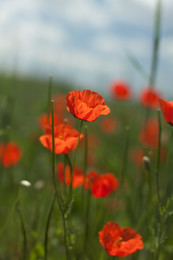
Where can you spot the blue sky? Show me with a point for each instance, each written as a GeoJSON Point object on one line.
{"type": "Point", "coordinates": [85, 41]}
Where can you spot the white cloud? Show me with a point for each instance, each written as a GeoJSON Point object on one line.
{"type": "Point", "coordinates": [84, 39]}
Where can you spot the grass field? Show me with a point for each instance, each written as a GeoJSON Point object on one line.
{"type": "Point", "coordinates": [142, 200]}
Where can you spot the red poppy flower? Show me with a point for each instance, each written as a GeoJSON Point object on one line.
{"type": "Point", "coordinates": [167, 110]}
{"type": "Point", "coordinates": [43, 120]}
{"type": "Point", "coordinates": [66, 138]}
{"type": "Point", "coordinates": [90, 178]}
{"type": "Point", "coordinates": [149, 134]}
{"type": "Point", "coordinates": [86, 105]}
{"type": "Point", "coordinates": [10, 154]}
{"type": "Point", "coordinates": [150, 98]}
{"type": "Point", "coordinates": [121, 90]}
{"type": "Point", "coordinates": [59, 103]}
{"type": "Point", "coordinates": [119, 241]}
{"type": "Point", "coordinates": [103, 185]}
{"type": "Point", "coordinates": [78, 176]}
{"type": "Point", "coordinates": [108, 125]}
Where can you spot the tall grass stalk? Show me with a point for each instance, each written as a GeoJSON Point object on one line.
{"type": "Point", "coordinates": [87, 215]}
{"type": "Point", "coordinates": [49, 96]}
{"type": "Point", "coordinates": [58, 195]}
{"type": "Point", "coordinates": [155, 53]}
{"type": "Point", "coordinates": [85, 149]}
{"type": "Point", "coordinates": [23, 232]}
{"type": "Point", "coordinates": [160, 224]}
{"type": "Point", "coordinates": [64, 173]}
{"type": "Point", "coordinates": [156, 44]}
{"type": "Point", "coordinates": [47, 228]}
{"type": "Point", "coordinates": [85, 159]}
{"type": "Point", "coordinates": [70, 190]}
{"type": "Point", "coordinates": [158, 158]}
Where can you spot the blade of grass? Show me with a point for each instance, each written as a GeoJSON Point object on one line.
{"type": "Point", "coordinates": [156, 44]}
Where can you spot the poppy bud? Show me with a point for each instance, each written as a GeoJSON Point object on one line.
{"type": "Point", "coordinates": [146, 163]}
{"type": "Point", "coordinates": [25, 183]}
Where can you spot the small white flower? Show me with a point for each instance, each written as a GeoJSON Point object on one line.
{"type": "Point", "coordinates": [25, 183]}
{"type": "Point", "coordinates": [39, 184]}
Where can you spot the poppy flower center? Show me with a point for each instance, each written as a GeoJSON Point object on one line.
{"type": "Point", "coordinates": [119, 241]}
{"type": "Point", "coordinates": [60, 137]}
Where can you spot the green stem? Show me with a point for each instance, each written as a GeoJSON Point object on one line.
{"type": "Point", "coordinates": [49, 96]}
{"type": "Point", "coordinates": [157, 187]}
{"type": "Point", "coordinates": [53, 160]}
{"type": "Point", "coordinates": [168, 187]}
{"type": "Point", "coordinates": [158, 158]}
{"type": "Point", "coordinates": [23, 232]}
{"type": "Point", "coordinates": [136, 64]}
{"type": "Point", "coordinates": [85, 160]}
{"type": "Point", "coordinates": [156, 43]}
{"type": "Point", "coordinates": [59, 199]}
{"type": "Point", "coordinates": [64, 179]}
{"type": "Point", "coordinates": [65, 236]}
{"type": "Point", "coordinates": [69, 162]}
{"type": "Point", "coordinates": [155, 53]}
{"type": "Point", "coordinates": [47, 227]}
{"type": "Point", "coordinates": [86, 150]}
{"type": "Point", "coordinates": [88, 201]}
{"type": "Point", "coordinates": [161, 224]}
{"type": "Point", "coordinates": [70, 190]}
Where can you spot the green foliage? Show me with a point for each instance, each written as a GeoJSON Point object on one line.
{"type": "Point", "coordinates": [134, 204]}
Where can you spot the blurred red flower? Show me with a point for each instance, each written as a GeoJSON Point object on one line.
{"type": "Point", "coordinates": [108, 125]}
{"type": "Point", "coordinates": [119, 241]}
{"type": "Point", "coordinates": [89, 179]}
{"type": "Point", "coordinates": [78, 176]}
{"type": "Point", "coordinates": [10, 154]}
{"type": "Point", "coordinates": [44, 121]}
{"type": "Point", "coordinates": [86, 105]}
{"type": "Point", "coordinates": [150, 98]}
{"type": "Point", "coordinates": [137, 155]}
{"type": "Point", "coordinates": [66, 138]}
{"type": "Point", "coordinates": [59, 103]}
{"type": "Point", "coordinates": [149, 134]}
{"type": "Point", "coordinates": [167, 110]}
{"type": "Point", "coordinates": [120, 90]}
{"type": "Point", "coordinates": [103, 185]}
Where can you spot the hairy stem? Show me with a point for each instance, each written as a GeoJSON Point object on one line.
{"type": "Point", "coordinates": [23, 233]}
{"type": "Point", "coordinates": [58, 195]}
{"type": "Point", "coordinates": [47, 227]}
{"type": "Point", "coordinates": [49, 96]}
